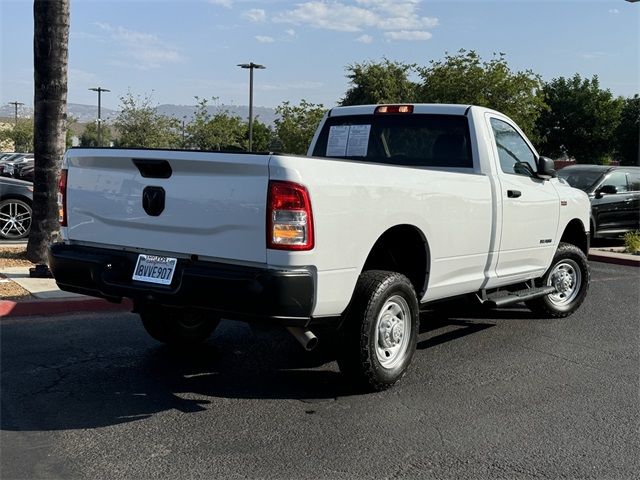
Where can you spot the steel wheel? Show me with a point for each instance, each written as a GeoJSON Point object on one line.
{"type": "Point", "coordinates": [566, 277]}
{"type": "Point", "coordinates": [392, 332]}
{"type": "Point", "coordinates": [569, 275]}
{"type": "Point", "coordinates": [380, 330]}
{"type": "Point", "coordinates": [15, 219]}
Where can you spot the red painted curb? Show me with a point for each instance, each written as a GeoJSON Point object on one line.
{"type": "Point", "coordinates": [9, 308]}
{"type": "Point", "coordinates": [629, 262]}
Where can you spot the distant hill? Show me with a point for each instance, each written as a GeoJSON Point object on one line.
{"type": "Point", "coordinates": [88, 113]}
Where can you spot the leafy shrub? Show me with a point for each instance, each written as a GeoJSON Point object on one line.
{"type": "Point", "coordinates": [632, 242]}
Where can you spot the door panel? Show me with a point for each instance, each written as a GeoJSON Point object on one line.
{"type": "Point", "coordinates": [530, 206]}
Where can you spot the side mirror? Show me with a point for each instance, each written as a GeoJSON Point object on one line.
{"type": "Point", "coordinates": [606, 190]}
{"type": "Point", "coordinates": [546, 168]}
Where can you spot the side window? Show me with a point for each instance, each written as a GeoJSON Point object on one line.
{"type": "Point", "coordinates": [515, 155]}
{"type": "Point", "coordinates": [634, 181]}
{"type": "Point", "coordinates": [618, 180]}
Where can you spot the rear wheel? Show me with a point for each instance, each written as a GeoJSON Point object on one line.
{"type": "Point", "coordinates": [380, 332]}
{"type": "Point", "coordinates": [178, 326]}
{"type": "Point", "coordinates": [569, 274]}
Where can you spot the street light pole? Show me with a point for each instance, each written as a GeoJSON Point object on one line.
{"type": "Point", "coordinates": [251, 66]}
{"type": "Point", "coordinates": [16, 105]}
{"type": "Point", "coordinates": [99, 90]}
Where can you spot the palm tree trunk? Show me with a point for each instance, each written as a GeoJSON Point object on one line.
{"type": "Point", "coordinates": [50, 53]}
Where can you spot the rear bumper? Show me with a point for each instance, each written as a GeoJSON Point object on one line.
{"type": "Point", "coordinates": [245, 293]}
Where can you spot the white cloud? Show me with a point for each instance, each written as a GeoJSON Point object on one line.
{"type": "Point", "coordinates": [410, 35]}
{"type": "Point", "coordinates": [364, 39]}
{"type": "Point", "coordinates": [255, 15]}
{"type": "Point", "coordinates": [329, 15]}
{"type": "Point", "coordinates": [615, 11]}
{"type": "Point", "coordinates": [291, 32]}
{"type": "Point", "coordinates": [139, 49]}
{"type": "Point", "coordinates": [355, 16]}
{"type": "Point", "coordinates": [264, 39]}
{"type": "Point", "coordinates": [222, 3]}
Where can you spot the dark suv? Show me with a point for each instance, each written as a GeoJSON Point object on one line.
{"type": "Point", "coordinates": [614, 193]}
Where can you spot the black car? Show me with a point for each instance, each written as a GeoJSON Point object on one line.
{"type": "Point", "coordinates": [16, 197]}
{"type": "Point", "coordinates": [614, 193]}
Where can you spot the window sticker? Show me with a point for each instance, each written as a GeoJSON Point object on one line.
{"type": "Point", "coordinates": [348, 140]}
{"type": "Point", "coordinates": [358, 142]}
{"type": "Point", "coordinates": [337, 142]}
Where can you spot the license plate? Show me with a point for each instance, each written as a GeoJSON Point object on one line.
{"type": "Point", "coordinates": [154, 269]}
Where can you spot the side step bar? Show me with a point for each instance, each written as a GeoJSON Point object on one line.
{"type": "Point", "coordinates": [502, 298]}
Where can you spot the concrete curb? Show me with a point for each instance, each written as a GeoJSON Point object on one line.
{"type": "Point", "coordinates": [9, 308]}
{"type": "Point", "coordinates": [614, 258]}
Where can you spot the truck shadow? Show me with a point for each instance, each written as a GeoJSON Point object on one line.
{"type": "Point", "coordinates": [103, 371]}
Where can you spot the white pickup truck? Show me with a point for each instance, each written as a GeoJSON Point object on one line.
{"type": "Point", "coordinates": [394, 207]}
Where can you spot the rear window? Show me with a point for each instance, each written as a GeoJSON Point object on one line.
{"type": "Point", "coordinates": [411, 139]}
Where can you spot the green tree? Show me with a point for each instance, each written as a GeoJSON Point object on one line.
{"type": "Point", "coordinates": [68, 139]}
{"type": "Point", "coordinates": [383, 82]}
{"type": "Point", "coordinates": [581, 120]}
{"type": "Point", "coordinates": [296, 124]}
{"type": "Point", "coordinates": [218, 131]}
{"type": "Point", "coordinates": [21, 134]}
{"type": "Point", "coordinates": [140, 125]}
{"type": "Point", "coordinates": [50, 61]}
{"type": "Point", "coordinates": [89, 137]}
{"type": "Point", "coordinates": [262, 136]}
{"type": "Point", "coordinates": [628, 132]}
{"type": "Point", "coordinates": [466, 79]}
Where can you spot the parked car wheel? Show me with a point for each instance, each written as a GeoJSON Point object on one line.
{"type": "Point", "coordinates": [177, 326]}
{"type": "Point", "coordinates": [15, 219]}
{"type": "Point", "coordinates": [569, 273]}
{"type": "Point", "coordinates": [380, 332]}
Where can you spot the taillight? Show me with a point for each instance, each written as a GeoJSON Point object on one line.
{"type": "Point", "coordinates": [394, 109]}
{"type": "Point", "coordinates": [62, 198]}
{"type": "Point", "coordinates": [289, 219]}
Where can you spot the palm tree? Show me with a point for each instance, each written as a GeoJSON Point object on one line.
{"type": "Point", "coordinates": [50, 53]}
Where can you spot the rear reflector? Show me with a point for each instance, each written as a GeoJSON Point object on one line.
{"type": "Point", "coordinates": [62, 198]}
{"type": "Point", "coordinates": [289, 218]}
{"type": "Point", "coordinates": [394, 109]}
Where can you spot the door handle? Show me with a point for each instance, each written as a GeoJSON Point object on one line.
{"type": "Point", "coordinates": [513, 193]}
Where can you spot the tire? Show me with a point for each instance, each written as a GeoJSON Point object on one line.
{"type": "Point", "coordinates": [179, 327]}
{"type": "Point", "coordinates": [569, 272]}
{"type": "Point", "coordinates": [379, 334]}
{"type": "Point", "coordinates": [15, 219]}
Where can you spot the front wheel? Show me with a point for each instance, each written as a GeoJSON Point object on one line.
{"type": "Point", "coordinates": [177, 326]}
{"type": "Point", "coordinates": [569, 274]}
{"type": "Point", "coordinates": [380, 332]}
{"type": "Point", "coordinates": [15, 219]}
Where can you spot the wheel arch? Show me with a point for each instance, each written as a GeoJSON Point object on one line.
{"type": "Point", "coordinates": [576, 234]}
{"type": "Point", "coordinates": [404, 249]}
{"type": "Point", "coordinates": [15, 196]}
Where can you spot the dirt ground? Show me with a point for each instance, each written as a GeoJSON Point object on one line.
{"type": "Point", "coordinates": [12, 257]}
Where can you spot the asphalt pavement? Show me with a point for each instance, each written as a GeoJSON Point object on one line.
{"type": "Point", "coordinates": [501, 394]}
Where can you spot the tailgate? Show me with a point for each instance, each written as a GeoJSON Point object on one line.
{"type": "Point", "coordinates": [202, 203]}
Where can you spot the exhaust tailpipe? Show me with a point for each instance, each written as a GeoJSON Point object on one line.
{"type": "Point", "coordinates": [305, 337]}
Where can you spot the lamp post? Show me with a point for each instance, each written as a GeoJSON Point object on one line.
{"type": "Point", "coordinates": [99, 90]}
{"type": "Point", "coordinates": [16, 104]}
{"type": "Point", "coordinates": [251, 66]}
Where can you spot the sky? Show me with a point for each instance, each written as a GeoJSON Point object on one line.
{"type": "Point", "coordinates": [176, 50]}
